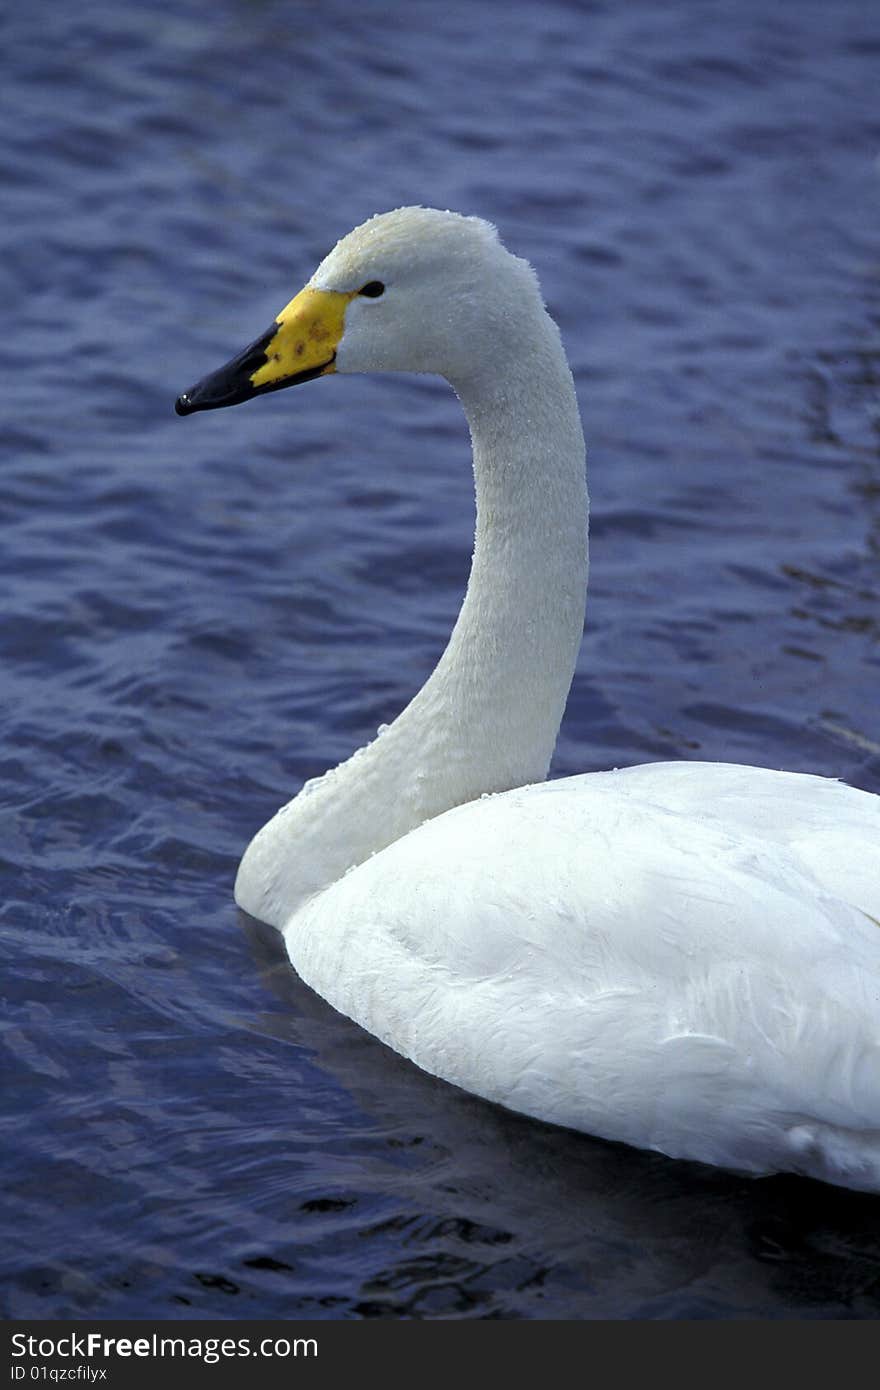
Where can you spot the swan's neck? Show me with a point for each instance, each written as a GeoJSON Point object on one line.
{"type": "Point", "coordinates": [505, 674]}
{"type": "Point", "coordinates": [487, 718]}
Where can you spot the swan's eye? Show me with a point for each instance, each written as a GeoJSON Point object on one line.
{"type": "Point", "coordinates": [373, 289]}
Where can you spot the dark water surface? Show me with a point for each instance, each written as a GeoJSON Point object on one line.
{"type": "Point", "coordinates": [197, 615]}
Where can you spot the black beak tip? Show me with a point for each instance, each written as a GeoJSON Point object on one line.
{"type": "Point", "coordinates": [183, 405]}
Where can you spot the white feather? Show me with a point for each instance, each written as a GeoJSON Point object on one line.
{"type": "Point", "coordinates": [683, 956]}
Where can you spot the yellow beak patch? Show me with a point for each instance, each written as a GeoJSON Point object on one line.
{"type": "Point", "coordinates": [309, 331]}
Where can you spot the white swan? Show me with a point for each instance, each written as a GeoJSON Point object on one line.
{"type": "Point", "coordinates": [682, 956]}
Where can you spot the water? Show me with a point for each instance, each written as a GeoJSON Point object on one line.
{"type": "Point", "coordinates": [198, 615]}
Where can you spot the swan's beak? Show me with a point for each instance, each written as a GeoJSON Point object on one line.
{"type": "Point", "coordinates": [300, 345]}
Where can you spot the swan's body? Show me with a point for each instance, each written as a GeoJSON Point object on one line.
{"type": "Point", "coordinates": [683, 956]}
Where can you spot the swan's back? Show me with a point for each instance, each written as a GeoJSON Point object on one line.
{"type": "Point", "coordinates": [685, 956]}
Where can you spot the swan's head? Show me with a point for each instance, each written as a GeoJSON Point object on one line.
{"type": "Point", "coordinates": [416, 290]}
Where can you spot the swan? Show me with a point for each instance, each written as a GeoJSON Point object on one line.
{"type": "Point", "coordinates": [683, 956]}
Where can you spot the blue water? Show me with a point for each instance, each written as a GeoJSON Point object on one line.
{"type": "Point", "coordinates": [197, 615]}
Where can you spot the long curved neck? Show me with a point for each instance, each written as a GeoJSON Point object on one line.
{"type": "Point", "coordinates": [506, 672]}
{"type": "Point", "coordinates": [487, 718]}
